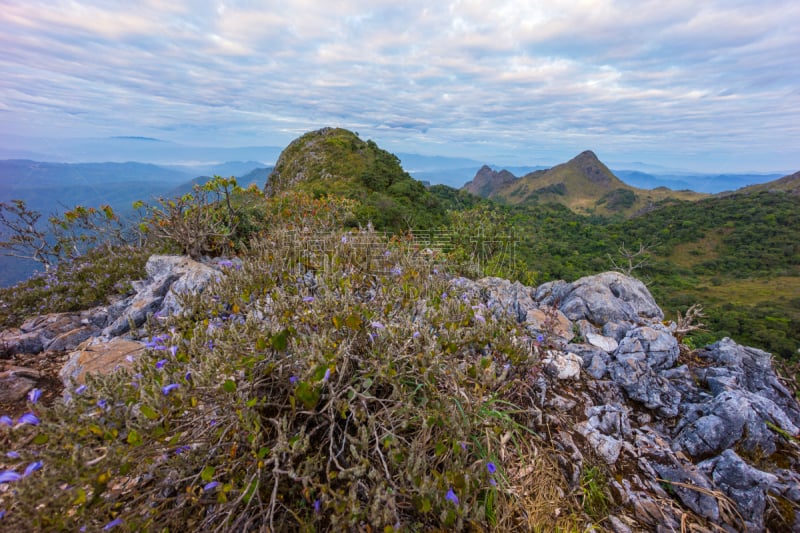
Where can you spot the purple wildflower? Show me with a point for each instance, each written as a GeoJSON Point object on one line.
{"type": "Point", "coordinates": [33, 467]}
{"type": "Point", "coordinates": [451, 496]}
{"type": "Point", "coordinates": [181, 449]}
{"type": "Point", "coordinates": [397, 271]}
{"type": "Point", "coordinates": [208, 487]}
{"type": "Point", "coordinates": [480, 319]}
{"type": "Point", "coordinates": [225, 263]}
{"type": "Point", "coordinates": [81, 389]}
{"type": "Point", "coordinates": [188, 376]}
{"type": "Point", "coordinates": [111, 525]}
{"type": "Point", "coordinates": [490, 466]}
{"type": "Point", "coordinates": [173, 350]}
{"type": "Point", "coordinates": [102, 404]}
{"type": "Point", "coordinates": [7, 476]}
{"type": "Point", "coordinates": [293, 380]}
{"type": "Point", "coordinates": [327, 375]}
{"type": "Point", "coordinates": [166, 389]}
{"type": "Point", "coordinates": [377, 325]}
{"type": "Point", "coordinates": [317, 505]}
{"type": "Point", "coordinates": [28, 418]}
{"type": "Point", "coordinates": [34, 395]}
{"type": "Point", "coordinates": [2, 513]}
{"type": "Point", "coordinates": [5, 420]}
{"type": "Point", "coordinates": [415, 334]}
{"type": "Point", "coordinates": [12, 454]}
{"type": "Point", "coordinates": [308, 299]}
{"type": "Point", "coordinates": [540, 338]}
{"type": "Point", "coordinates": [463, 445]}
{"type": "Point", "coordinates": [492, 482]}
{"type": "Point", "coordinates": [161, 363]}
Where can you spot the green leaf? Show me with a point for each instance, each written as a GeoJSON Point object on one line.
{"type": "Point", "coordinates": [307, 394]}
{"type": "Point", "coordinates": [41, 438]}
{"type": "Point", "coordinates": [148, 412]}
{"type": "Point", "coordinates": [280, 340]}
{"type": "Point", "coordinates": [261, 344]}
{"type": "Point", "coordinates": [229, 385]}
{"type": "Point", "coordinates": [134, 439]}
{"type": "Point", "coordinates": [208, 473]}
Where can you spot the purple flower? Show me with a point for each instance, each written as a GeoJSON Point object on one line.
{"type": "Point", "coordinates": [451, 496]}
{"type": "Point", "coordinates": [293, 380]}
{"type": "Point", "coordinates": [81, 389]}
{"type": "Point", "coordinates": [166, 389]}
{"type": "Point", "coordinates": [173, 350]}
{"type": "Point", "coordinates": [180, 449]}
{"type": "Point", "coordinates": [415, 334]}
{"type": "Point", "coordinates": [327, 375]}
{"type": "Point", "coordinates": [188, 376]}
{"type": "Point", "coordinates": [492, 482]}
{"type": "Point", "coordinates": [377, 325]}
{"type": "Point", "coordinates": [34, 395]}
{"type": "Point", "coordinates": [317, 505]}
{"type": "Point", "coordinates": [111, 525]}
{"type": "Point", "coordinates": [491, 467]}
{"type": "Point", "coordinates": [225, 263]}
{"type": "Point", "coordinates": [479, 318]}
{"type": "Point", "coordinates": [2, 513]}
{"type": "Point", "coordinates": [12, 454]}
{"type": "Point", "coordinates": [33, 467]}
{"type": "Point", "coordinates": [28, 418]}
{"type": "Point", "coordinates": [6, 421]}
{"type": "Point", "coordinates": [7, 476]}
{"type": "Point", "coordinates": [463, 445]}
{"type": "Point", "coordinates": [540, 338]}
{"type": "Point", "coordinates": [102, 404]}
{"type": "Point", "coordinates": [208, 487]}
{"type": "Point", "coordinates": [397, 271]}
{"type": "Point", "coordinates": [308, 299]}
{"type": "Point", "coordinates": [161, 363]}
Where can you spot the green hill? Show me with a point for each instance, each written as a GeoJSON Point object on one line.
{"type": "Point", "coordinates": [584, 184]}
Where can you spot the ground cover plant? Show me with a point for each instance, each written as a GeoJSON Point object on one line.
{"type": "Point", "coordinates": [332, 380]}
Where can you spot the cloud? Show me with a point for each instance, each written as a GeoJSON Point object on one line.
{"type": "Point", "coordinates": [671, 79]}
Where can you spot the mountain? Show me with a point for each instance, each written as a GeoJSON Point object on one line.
{"type": "Point", "coordinates": [584, 184]}
{"type": "Point", "coordinates": [789, 184]}
{"type": "Point", "coordinates": [487, 181]}
{"type": "Point", "coordinates": [337, 161]}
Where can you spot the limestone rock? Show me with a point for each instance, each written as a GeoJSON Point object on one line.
{"type": "Point", "coordinates": [654, 344]}
{"type": "Point", "coordinates": [602, 298]}
{"type": "Point", "coordinates": [97, 356]}
{"type": "Point", "coordinates": [563, 365]}
{"type": "Point", "coordinates": [607, 344]}
{"type": "Point", "coordinates": [550, 322]}
{"type": "Point", "coordinates": [641, 384]}
{"type": "Point", "coordinates": [15, 382]}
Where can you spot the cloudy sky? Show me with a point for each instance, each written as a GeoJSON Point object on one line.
{"type": "Point", "coordinates": [697, 84]}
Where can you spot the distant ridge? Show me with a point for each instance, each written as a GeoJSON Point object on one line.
{"type": "Point", "coordinates": [789, 184]}
{"type": "Point", "coordinates": [584, 184]}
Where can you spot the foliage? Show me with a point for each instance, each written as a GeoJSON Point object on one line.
{"type": "Point", "coordinates": [200, 222]}
{"type": "Point", "coordinates": [304, 392]}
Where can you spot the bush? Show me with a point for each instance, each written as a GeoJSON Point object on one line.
{"type": "Point", "coordinates": [306, 392]}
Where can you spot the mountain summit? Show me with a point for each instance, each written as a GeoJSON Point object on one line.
{"type": "Point", "coordinates": [584, 184]}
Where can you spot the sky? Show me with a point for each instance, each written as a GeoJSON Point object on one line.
{"type": "Point", "coordinates": [707, 85]}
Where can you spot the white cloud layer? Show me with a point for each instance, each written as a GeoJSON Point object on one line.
{"type": "Point", "coordinates": [711, 85]}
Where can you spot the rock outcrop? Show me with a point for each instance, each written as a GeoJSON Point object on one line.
{"type": "Point", "coordinates": [713, 432]}
{"type": "Point", "coordinates": [487, 181]}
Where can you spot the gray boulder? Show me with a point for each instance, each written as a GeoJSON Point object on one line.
{"type": "Point", "coordinates": [641, 384]}
{"type": "Point", "coordinates": [654, 344]}
{"type": "Point", "coordinates": [603, 298]}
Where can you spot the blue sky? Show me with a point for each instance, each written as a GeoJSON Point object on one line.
{"type": "Point", "coordinates": [708, 85]}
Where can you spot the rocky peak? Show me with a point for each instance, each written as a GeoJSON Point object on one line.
{"type": "Point", "coordinates": [592, 168]}
{"type": "Point", "coordinates": [487, 181]}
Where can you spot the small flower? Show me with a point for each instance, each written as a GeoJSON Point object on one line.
{"type": "Point", "coordinates": [327, 375]}
{"type": "Point", "coordinates": [490, 466]}
{"type": "Point", "coordinates": [225, 263]}
{"type": "Point", "coordinates": [81, 389]}
{"type": "Point", "coordinates": [166, 389]}
{"type": "Point", "coordinates": [451, 496]}
{"type": "Point", "coordinates": [2, 513]}
{"type": "Point", "coordinates": [34, 395]}
{"type": "Point", "coordinates": [188, 376]}
{"type": "Point", "coordinates": [28, 418]}
{"type": "Point", "coordinates": [6, 421]}
{"type": "Point", "coordinates": [540, 338]}
{"type": "Point", "coordinates": [480, 319]}
{"type": "Point", "coordinates": [33, 467]}
{"type": "Point", "coordinates": [208, 487]}
{"type": "Point", "coordinates": [180, 449]}
{"type": "Point", "coordinates": [111, 525]}
{"type": "Point", "coordinates": [397, 271]}
{"type": "Point", "coordinates": [308, 299]}
{"type": "Point", "coordinates": [317, 505]}
{"type": "Point", "coordinates": [173, 350]}
{"type": "Point", "coordinates": [377, 325]}
{"type": "Point", "coordinates": [7, 476]}
{"type": "Point", "coordinates": [12, 454]}
{"type": "Point", "coordinates": [293, 380]}
{"type": "Point", "coordinates": [463, 445]}
{"type": "Point", "coordinates": [492, 482]}
{"type": "Point", "coordinates": [161, 363]}
{"type": "Point", "coordinates": [415, 334]}
{"type": "Point", "coordinates": [102, 404]}
{"type": "Point", "coordinates": [130, 358]}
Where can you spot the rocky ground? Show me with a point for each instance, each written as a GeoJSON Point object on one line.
{"type": "Point", "coordinates": [707, 436]}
